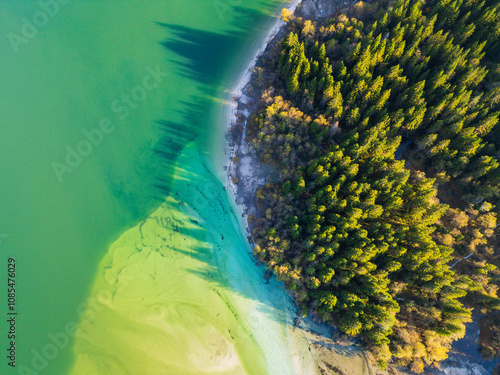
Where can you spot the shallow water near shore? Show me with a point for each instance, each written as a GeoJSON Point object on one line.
{"type": "Point", "coordinates": [180, 294]}
{"type": "Point", "coordinates": [97, 106]}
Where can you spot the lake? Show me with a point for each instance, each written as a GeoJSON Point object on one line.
{"type": "Point", "coordinates": [130, 254]}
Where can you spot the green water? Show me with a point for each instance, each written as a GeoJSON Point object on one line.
{"type": "Point", "coordinates": [174, 60]}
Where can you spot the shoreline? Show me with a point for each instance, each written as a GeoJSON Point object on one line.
{"type": "Point", "coordinates": [274, 31]}
{"type": "Point", "coordinates": [242, 105]}
{"type": "Point", "coordinates": [238, 114]}
{"type": "Point", "coordinates": [333, 351]}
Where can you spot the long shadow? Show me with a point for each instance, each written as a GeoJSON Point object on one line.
{"type": "Point", "coordinates": [221, 246]}
{"type": "Point", "coordinates": [203, 57]}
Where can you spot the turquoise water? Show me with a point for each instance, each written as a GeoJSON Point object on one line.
{"type": "Point", "coordinates": [95, 109]}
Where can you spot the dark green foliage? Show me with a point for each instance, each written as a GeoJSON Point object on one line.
{"type": "Point", "coordinates": [346, 226]}
{"type": "Point", "coordinates": [355, 224]}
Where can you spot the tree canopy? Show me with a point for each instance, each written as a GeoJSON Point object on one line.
{"type": "Point", "coordinates": [361, 238]}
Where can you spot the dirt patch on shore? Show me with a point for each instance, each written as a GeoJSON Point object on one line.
{"type": "Point", "coordinates": [320, 9]}
{"type": "Point", "coordinates": [337, 353]}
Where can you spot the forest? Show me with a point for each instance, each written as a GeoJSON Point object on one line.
{"type": "Point", "coordinates": [383, 125]}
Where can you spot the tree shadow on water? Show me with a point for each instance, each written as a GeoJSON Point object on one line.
{"type": "Point", "coordinates": [203, 57]}
{"type": "Point", "coordinates": [220, 249]}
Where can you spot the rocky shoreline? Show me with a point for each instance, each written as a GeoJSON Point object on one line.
{"type": "Point", "coordinates": [245, 168]}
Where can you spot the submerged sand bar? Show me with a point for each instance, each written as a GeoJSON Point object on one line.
{"type": "Point", "coordinates": [183, 296]}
